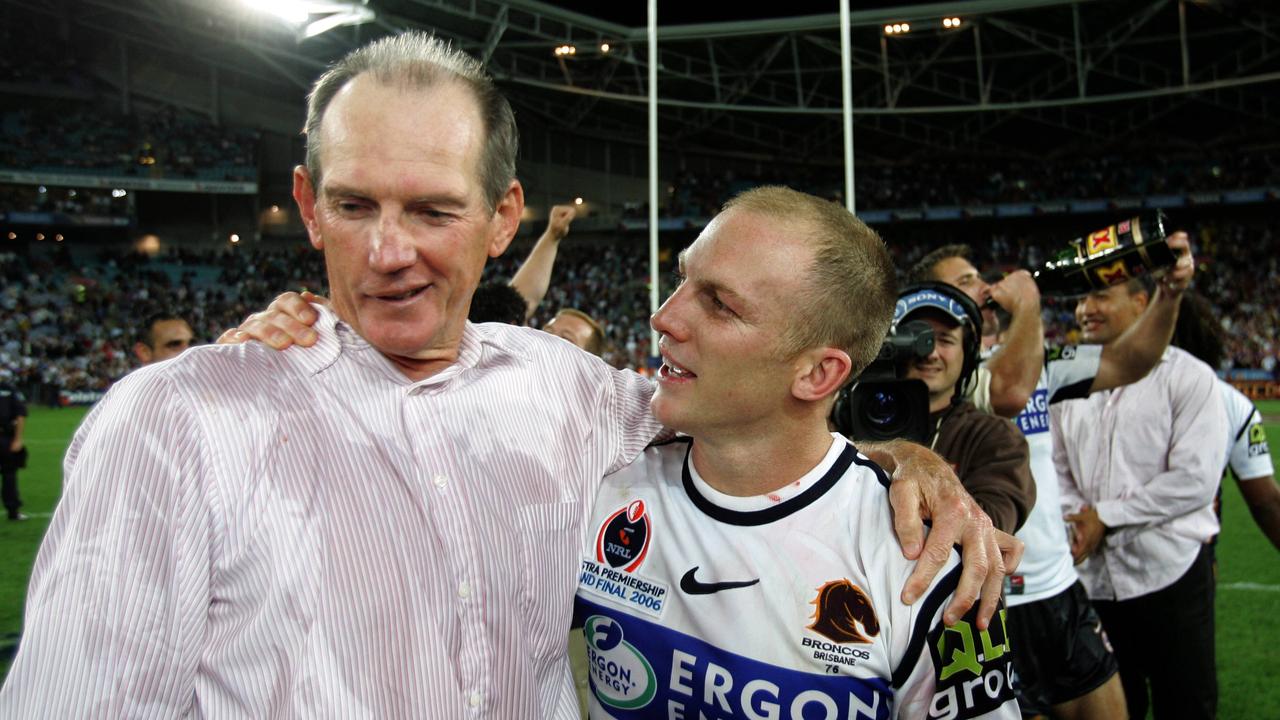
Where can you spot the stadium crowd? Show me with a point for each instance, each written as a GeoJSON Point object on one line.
{"type": "Point", "coordinates": [935, 182]}
{"type": "Point", "coordinates": [68, 322]}
{"type": "Point", "coordinates": [162, 143]}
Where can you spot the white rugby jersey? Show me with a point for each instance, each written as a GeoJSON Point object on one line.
{"type": "Point", "coordinates": [1046, 568]}
{"type": "Point", "coordinates": [1248, 455]}
{"type": "Point", "coordinates": [695, 604]}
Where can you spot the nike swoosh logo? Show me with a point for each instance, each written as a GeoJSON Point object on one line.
{"type": "Point", "coordinates": [691, 586]}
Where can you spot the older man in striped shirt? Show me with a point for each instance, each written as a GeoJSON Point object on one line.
{"type": "Point", "coordinates": [384, 523]}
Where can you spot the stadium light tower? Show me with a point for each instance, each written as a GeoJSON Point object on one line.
{"type": "Point", "coordinates": [314, 17]}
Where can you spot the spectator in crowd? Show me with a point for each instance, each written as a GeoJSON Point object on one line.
{"type": "Point", "coordinates": [534, 275]}
{"type": "Point", "coordinates": [497, 302]}
{"type": "Point", "coordinates": [578, 328]}
{"type": "Point", "coordinates": [165, 336]}
{"type": "Point", "coordinates": [1139, 468]}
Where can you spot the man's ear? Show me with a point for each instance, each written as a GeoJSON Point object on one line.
{"type": "Point", "coordinates": [506, 218]}
{"type": "Point", "coordinates": [142, 352]}
{"type": "Point", "coordinates": [820, 373]}
{"type": "Point", "coordinates": [304, 193]}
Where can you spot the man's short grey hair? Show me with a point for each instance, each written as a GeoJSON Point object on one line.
{"type": "Point", "coordinates": [415, 61]}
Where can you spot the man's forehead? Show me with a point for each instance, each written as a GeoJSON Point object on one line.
{"type": "Point", "coordinates": [955, 268]}
{"type": "Point", "coordinates": [392, 124]}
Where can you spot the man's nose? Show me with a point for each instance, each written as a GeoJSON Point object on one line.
{"type": "Point", "coordinates": [667, 321]}
{"type": "Point", "coordinates": [391, 248]}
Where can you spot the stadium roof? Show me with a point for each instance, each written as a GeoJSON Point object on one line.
{"type": "Point", "coordinates": [1018, 78]}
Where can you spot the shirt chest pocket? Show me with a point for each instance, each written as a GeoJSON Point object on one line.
{"type": "Point", "coordinates": [550, 534]}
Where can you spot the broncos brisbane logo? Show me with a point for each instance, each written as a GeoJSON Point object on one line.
{"type": "Point", "coordinates": [840, 608]}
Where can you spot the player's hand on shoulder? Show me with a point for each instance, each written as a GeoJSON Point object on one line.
{"type": "Point", "coordinates": [924, 486]}
{"type": "Point", "coordinates": [286, 321]}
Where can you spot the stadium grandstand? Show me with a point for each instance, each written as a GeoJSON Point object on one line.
{"type": "Point", "coordinates": [145, 150]}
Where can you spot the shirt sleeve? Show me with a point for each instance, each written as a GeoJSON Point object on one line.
{"type": "Point", "coordinates": [1250, 456]}
{"type": "Point", "coordinates": [19, 404]}
{"type": "Point", "coordinates": [1195, 458]}
{"type": "Point", "coordinates": [630, 425]}
{"type": "Point", "coordinates": [1070, 370]}
{"type": "Point", "coordinates": [115, 614]}
{"type": "Point", "coordinates": [955, 672]}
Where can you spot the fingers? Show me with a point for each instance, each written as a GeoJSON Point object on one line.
{"type": "Point", "coordinates": [1011, 549]}
{"type": "Point", "coordinates": [314, 298]}
{"type": "Point", "coordinates": [908, 525]}
{"type": "Point", "coordinates": [950, 521]}
{"type": "Point", "coordinates": [295, 306]}
{"type": "Point", "coordinates": [232, 336]}
{"type": "Point", "coordinates": [278, 329]}
{"type": "Point", "coordinates": [993, 585]}
{"type": "Point", "coordinates": [977, 566]}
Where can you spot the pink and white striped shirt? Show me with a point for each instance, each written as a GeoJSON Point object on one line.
{"type": "Point", "coordinates": [246, 533]}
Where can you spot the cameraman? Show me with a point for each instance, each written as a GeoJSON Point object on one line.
{"type": "Point", "coordinates": [987, 452]}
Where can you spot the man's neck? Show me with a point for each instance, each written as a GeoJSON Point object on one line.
{"type": "Point", "coordinates": [745, 466]}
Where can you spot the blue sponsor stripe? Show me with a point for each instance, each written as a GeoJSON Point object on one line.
{"type": "Point", "coordinates": [705, 680]}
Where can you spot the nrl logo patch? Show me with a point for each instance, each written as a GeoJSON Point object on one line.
{"type": "Point", "coordinates": [623, 539]}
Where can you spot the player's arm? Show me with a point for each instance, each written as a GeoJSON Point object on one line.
{"type": "Point", "coordinates": [534, 276]}
{"type": "Point", "coordinates": [924, 486]}
{"type": "Point", "coordinates": [1250, 462]}
{"type": "Point", "coordinates": [1016, 366]}
{"type": "Point", "coordinates": [119, 597]}
{"type": "Point", "coordinates": [1262, 495]}
{"type": "Point", "coordinates": [1131, 356]}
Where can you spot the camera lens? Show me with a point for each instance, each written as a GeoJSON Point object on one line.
{"type": "Point", "coordinates": [883, 408]}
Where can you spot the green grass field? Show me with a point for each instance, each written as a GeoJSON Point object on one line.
{"type": "Point", "coordinates": [1248, 597]}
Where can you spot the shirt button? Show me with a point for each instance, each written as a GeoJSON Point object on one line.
{"type": "Point", "coordinates": [475, 699]}
{"type": "Point", "coordinates": [464, 592]}
{"type": "Point", "coordinates": [440, 481]}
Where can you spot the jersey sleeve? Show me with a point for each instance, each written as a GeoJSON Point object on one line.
{"type": "Point", "coordinates": [1069, 371]}
{"type": "Point", "coordinates": [956, 672]}
{"type": "Point", "coordinates": [1250, 456]}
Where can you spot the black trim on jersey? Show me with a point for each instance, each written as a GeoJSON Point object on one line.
{"type": "Point", "coordinates": [1247, 422]}
{"type": "Point", "coordinates": [1074, 391]}
{"type": "Point", "coordinates": [848, 456]}
{"type": "Point", "coordinates": [929, 607]}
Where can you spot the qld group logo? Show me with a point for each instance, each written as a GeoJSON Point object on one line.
{"type": "Point", "coordinates": [623, 539]}
{"type": "Point", "coordinates": [621, 676]}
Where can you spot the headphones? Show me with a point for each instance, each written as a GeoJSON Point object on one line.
{"type": "Point", "coordinates": [956, 304]}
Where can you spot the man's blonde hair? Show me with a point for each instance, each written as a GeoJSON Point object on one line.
{"type": "Point", "coordinates": [848, 303]}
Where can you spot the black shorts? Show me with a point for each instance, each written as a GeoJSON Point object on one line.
{"type": "Point", "coordinates": [1060, 650]}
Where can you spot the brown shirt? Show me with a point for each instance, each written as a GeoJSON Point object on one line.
{"type": "Point", "coordinates": [993, 462]}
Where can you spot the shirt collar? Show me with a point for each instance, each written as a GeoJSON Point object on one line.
{"type": "Point", "coordinates": [478, 350]}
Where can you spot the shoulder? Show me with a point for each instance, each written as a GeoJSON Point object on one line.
{"type": "Point", "coordinates": [1180, 365]}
